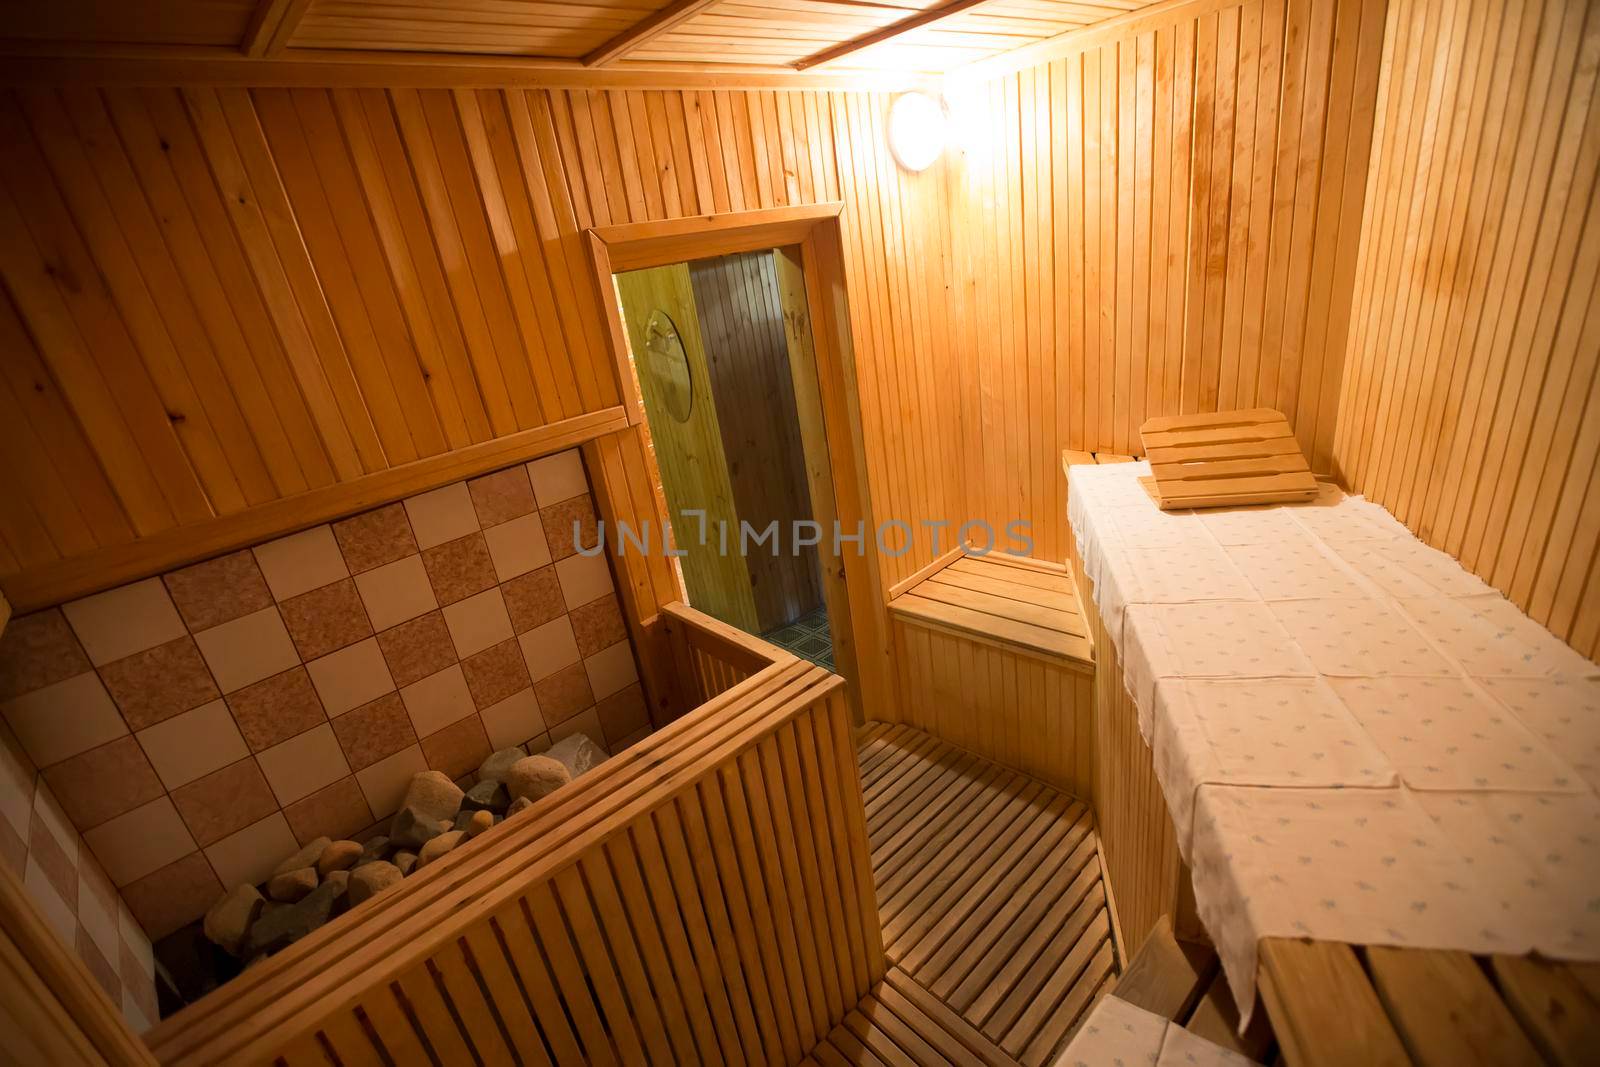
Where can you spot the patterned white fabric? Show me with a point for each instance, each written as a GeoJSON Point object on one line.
{"type": "Point", "coordinates": [1119, 1034]}
{"type": "Point", "coordinates": [1359, 741]}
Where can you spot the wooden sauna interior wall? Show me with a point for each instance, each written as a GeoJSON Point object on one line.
{"type": "Point", "coordinates": [747, 357]}
{"type": "Point", "coordinates": [1471, 404]}
{"type": "Point", "coordinates": [230, 310]}
{"type": "Point", "coordinates": [1161, 221]}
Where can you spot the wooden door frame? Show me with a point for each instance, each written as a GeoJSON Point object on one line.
{"type": "Point", "coordinates": [809, 240]}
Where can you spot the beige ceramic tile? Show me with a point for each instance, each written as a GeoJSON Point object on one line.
{"type": "Point", "coordinates": [301, 562]}
{"type": "Point", "coordinates": [513, 720]}
{"type": "Point", "coordinates": [384, 783]}
{"type": "Point", "coordinates": [103, 782]}
{"type": "Point", "coordinates": [558, 477]}
{"type": "Point", "coordinates": [442, 515]}
{"type": "Point", "coordinates": [97, 906]}
{"type": "Point", "coordinates": [64, 719]}
{"type": "Point", "coordinates": [583, 579]}
{"type": "Point", "coordinates": [210, 593]}
{"type": "Point", "coordinates": [549, 648]}
{"type": "Point", "coordinates": [351, 677]}
{"type": "Point", "coordinates": [247, 649]}
{"type": "Point", "coordinates": [125, 620]}
{"type": "Point", "coordinates": [611, 670]}
{"type": "Point", "coordinates": [144, 840]}
{"type": "Point", "coordinates": [47, 898]}
{"type": "Point", "coordinates": [249, 855]}
{"type": "Point", "coordinates": [517, 547]}
{"type": "Point", "coordinates": [38, 650]}
{"type": "Point", "coordinates": [438, 700]}
{"type": "Point", "coordinates": [54, 817]}
{"type": "Point", "coordinates": [478, 622]}
{"type": "Point", "coordinates": [621, 714]}
{"type": "Point", "coordinates": [303, 764]}
{"type": "Point", "coordinates": [16, 789]}
{"type": "Point", "coordinates": [60, 864]}
{"type": "Point", "coordinates": [396, 592]}
{"type": "Point", "coordinates": [193, 744]}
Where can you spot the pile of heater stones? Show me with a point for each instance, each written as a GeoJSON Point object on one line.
{"type": "Point", "coordinates": [326, 878]}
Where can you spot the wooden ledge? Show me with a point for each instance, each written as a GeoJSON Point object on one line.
{"type": "Point", "coordinates": [1014, 603]}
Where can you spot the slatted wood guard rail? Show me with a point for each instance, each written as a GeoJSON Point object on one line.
{"type": "Point", "coordinates": [704, 897]}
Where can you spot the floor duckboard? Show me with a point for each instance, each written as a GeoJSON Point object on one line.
{"type": "Point", "coordinates": [989, 889]}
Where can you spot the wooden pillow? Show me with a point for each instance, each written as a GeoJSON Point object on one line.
{"type": "Point", "coordinates": [1224, 459]}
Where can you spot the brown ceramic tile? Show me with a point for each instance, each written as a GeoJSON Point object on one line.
{"type": "Point", "coordinates": [174, 896]}
{"type": "Point", "coordinates": [502, 496]}
{"type": "Point", "coordinates": [337, 811]}
{"type": "Point", "coordinates": [225, 801]}
{"type": "Point", "coordinates": [218, 590]}
{"type": "Point", "coordinates": [533, 599]}
{"type": "Point", "coordinates": [375, 538]}
{"type": "Point", "coordinates": [38, 650]}
{"type": "Point", "coordinates": [460, 568]}
{"type": "Point", "coordinates": [598, 624]}
{"type": "Point", "coordinates": [153, 686]}
{"type": "Point", "coordinates": [496, 673]}
{"type": "Point", "coordinates": [417, 648]}
{"type": "Point", "coordinates": [564, 694]}
{"type": "Point", "coordinates": [93, 876]}
{"type": "Point", "coordinates": [558, 520]}
{"type": "Point", "coordinates": [13, 849]}
{"type": "Point", "coordinates": [326, 619]}
{"type": "Point", "coordinates": [276, 709]}
{"type": "Point", "coordinates": [138, 983]}
{"type": "Point", "coordinates": [375, 730]}
{"type": "Point", "coordinates": [46, 851]}
{"type": "Point", "coordinates": [99, 966]}
{"type": "Point", "coordinates": [458, 749]}
{"type": "Point", "coordinates": [622, 713]}
{"type": "Point", "coordinates": [24, 764]}
{"type": "Point", "coordinates": [104, 782]}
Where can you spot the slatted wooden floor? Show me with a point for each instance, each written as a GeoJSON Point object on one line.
{"type": "Point", "coordinates": [901, 1023]}
{"type": "Point", "coordinates": [989, 888]}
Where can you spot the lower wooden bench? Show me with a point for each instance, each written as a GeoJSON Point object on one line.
{"type": "Point", "coordinates": [994, 656]}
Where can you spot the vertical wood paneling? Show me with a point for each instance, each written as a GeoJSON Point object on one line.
{"type": "Point", "coordinates": [1468, 404]}
{"type": "Point", "coordinates": [1154, 224]}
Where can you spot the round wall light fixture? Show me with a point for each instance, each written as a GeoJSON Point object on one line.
{"type": "Point", "coordinates": [916, 130]}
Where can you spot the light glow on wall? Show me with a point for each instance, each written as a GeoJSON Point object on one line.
{"type": "Point", "coordinates": [916, 130]}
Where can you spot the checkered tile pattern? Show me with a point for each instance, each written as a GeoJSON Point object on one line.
{"type": "Point", "coordinates": [195, 727]}
{"type": "Point", "coordinates": [807, 637]}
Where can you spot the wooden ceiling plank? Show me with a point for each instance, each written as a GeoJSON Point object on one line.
{"type": "Point", "coordinates": [673, 14]}
{"type": "Point", "coordinates": [271, 26]}
{"type": "Point", "coordinates": [915, 22]}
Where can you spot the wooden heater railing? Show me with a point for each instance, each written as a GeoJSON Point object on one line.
{"type": "Point", "coordinates": [705, 896]}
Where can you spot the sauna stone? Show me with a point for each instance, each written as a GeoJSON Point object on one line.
{"type": "Point", "coordinates": [376, 849]}
{"type": "Point", "coordinates": [291, 886]}
{"type": "Point", "coordinates": [577, 753]}
{"type": "Point", "coordinates": [439, 846]}
{"type": "Point", "coordinates": [537, 776]}
{"type": "Point", "coordinates": [478, 822]}
{"type": "Point", "coordinates": [432, 793]}
{"type": "Point", "coordinates": [340, 879]}
{"type": "Point", "coordinates": [488, 795]}
{"type": "Point", "coordinates": [282, 927]}
{"type": "Point", "coordinates": [412, 829]}
{"type": "Point", "coordinates": [518, 806]}
{"type": "Point", "coordinates": [230, 918]}
{"type": "Point", "coordinates": [308, 855]}
{"type": "Point", "coordinates": [498, 764]}
{"type": "Point", "coordinates": [405, 861]}
{"type": "Point", "coordinates": [370, 879]}
{"type": "Point", "coordinates": [338, 856]}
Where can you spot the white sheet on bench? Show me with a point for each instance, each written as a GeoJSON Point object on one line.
{"type": "Point", "coordinates": [1358, 739]}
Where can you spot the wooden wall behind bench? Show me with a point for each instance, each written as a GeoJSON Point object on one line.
{"type": "Point", "coordinates": [1471, 406]}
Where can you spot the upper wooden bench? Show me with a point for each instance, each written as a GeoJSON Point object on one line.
{"type": "Point", "coordinates": [1020, 604]}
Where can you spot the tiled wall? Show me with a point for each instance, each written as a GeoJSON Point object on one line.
{"type": "Point", "coordinates": [71, 889]}
{"type": "Point", "coordinates": [197, 727]}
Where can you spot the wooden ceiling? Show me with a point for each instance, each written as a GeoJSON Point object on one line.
{"type": "Point", "coordinates": [777, 36]}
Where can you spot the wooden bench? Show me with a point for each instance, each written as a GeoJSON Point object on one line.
{"type": "Point", "coordinates": [994, 656]}
{"type": "Point", "coordinates": [1183, 981]}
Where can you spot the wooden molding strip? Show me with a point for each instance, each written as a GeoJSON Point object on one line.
{"type": "Point", "coordinates": [915, 22]}
{"type": "Point", "coordinates": [107, 567]}
{"type": "Point", "coordinates": [635, 245]}
{"type": "Point", "coordinates": [272, 25]}
{"type": "Point", "coordinates": [646, 29]}
{"type": "Point", "coordinates": [162, 66]}
{"type": "Point", "coordinates": [1128, 24]}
